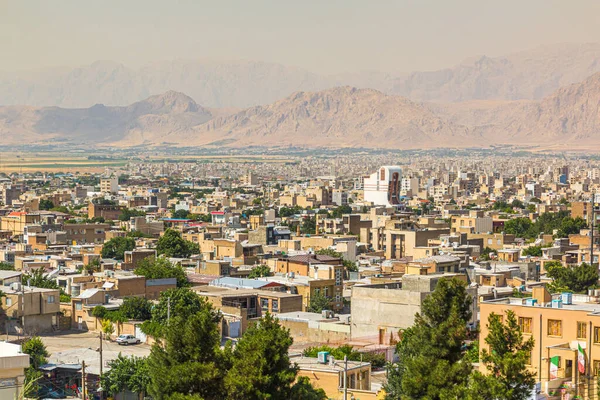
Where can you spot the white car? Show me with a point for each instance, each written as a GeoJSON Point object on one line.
{"type": "Point", "coordinates": [127, 339]}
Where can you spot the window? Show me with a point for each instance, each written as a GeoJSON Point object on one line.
{"type": "Point", "coordinates": [581, 330]}
{"type": "Point", "coordinates": [275, 305]}
{"type": "Point", "coordinates": [554, 327]}
{"type": "Point", "coordinates": [597, 335]}
{"type": "Point", "coordinates": [50, 299]}
{"type": "Point", "coordinates": [525, 324]}
{"type": "Point", "coordinates": [596, 367]}
{"type": "Point", "coordinates": [264, 304]}
{"type": "Point", "coordinates": [78, 306]}
{"type": "Point", "coordinates": [9, 301]}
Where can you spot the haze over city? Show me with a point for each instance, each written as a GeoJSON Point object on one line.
{"type": "Point", "coordinates": [315, 200]}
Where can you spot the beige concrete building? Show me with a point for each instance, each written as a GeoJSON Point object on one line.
{"type": "Point", "coordinates": [12, 370]}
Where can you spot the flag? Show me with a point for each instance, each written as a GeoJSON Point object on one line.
{"type": "Point", "coordinates": [580, 359]}
{"type": "Point", "coordinates": [554, 367]}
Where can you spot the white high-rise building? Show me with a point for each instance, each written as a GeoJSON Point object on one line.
{"type": "Point", "coordinates": [382, 188]}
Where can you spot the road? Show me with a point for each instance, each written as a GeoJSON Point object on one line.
{"type": "Point", "coordinates": [73, 347]}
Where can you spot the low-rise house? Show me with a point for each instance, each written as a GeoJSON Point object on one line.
{"type": "Point", "coordinates": [30, 309]}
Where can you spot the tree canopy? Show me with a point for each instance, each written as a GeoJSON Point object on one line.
{"type": "Point", "coordinates": [38, 355]}
{"type": "Point", "coordinates": [575, 279]}
{"type": "Point", "coordinates": [172, 245]}
{"type": "Point", "coordinates": [126, 373]}
{"type": "Point", "coordinates": [260, 271]}
{"type": "Point", "coordinates": [136, 308]}
{"type": "Point", "coordinates": [117, 246]}
{"type": "Point", "coordinates": [161, 268]}
{"type": "Point", "coordinates": [546, 224]}
{"type": "Point", "coordinates": [432, 362]}
{"type": "Point", "coordinates": [506, 362]}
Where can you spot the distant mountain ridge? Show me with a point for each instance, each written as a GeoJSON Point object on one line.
{"type": "Point", "coordinates": [337, 117]}
{"type": "Point", "coordinates": [527, 75]}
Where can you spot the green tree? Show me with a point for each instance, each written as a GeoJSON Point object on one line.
{"type": "Point", "coordinates": [38, 355]}
{"type": "Point", "coordinates": [341, 210]}
{"type": "Point", "coordinates": [432, 362]}
{"type": "Point", "coordinates": [319, 302]}
{"type": "Point", "coordinates": [308, 226]}
{"type": "Point", "coordinates": [506, 362]}
{"type": "Point", "coordinates": [37, 278]}
{"type": "Point", "coordinates": [181, 214]}
{"type": "Point", "coordinates": [117, 246]}
{"type": "Point", "coordinates": [46, 204]}
{"type": "Point", "coordinates": [6, 267]}
{"type": "Point", "coordinates": [534, 251]}
{"type": "Point", "coordinates": [172, 245]}
{"type": "Point", "coordinates": [260, 271]}
{"type": "Point", "coordinates": [304, 390]}
{"type": "Point", "coordinates": [189, 359]}
{"type": "Point", "coordinates": [136, 308]}
{"type": "Point", "coordinates": [485, 254]}
{"type": "Point", "coordinates": [576, 279]}
{"type": "Point", "coordinates": [128, 213]}
{"type": "Point", "coordinates": [161, 268]}
{"type": "Point", "coordinates": [181, 302]}
{"type": "Point", "coordinates": [519, 227]}
{"type": "Point", "coordinates": [261, 367]}
{"type": "Point", "coordinates": [126, 373]}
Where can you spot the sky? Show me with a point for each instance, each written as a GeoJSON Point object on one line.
{"type": "Point", "coordinates": [325, 36]}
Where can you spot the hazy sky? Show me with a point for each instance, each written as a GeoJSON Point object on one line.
{"type": "Point", "coordinates": [320, 35]}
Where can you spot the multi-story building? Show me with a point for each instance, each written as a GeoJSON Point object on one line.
{"type": "Point", "coordinates": [382, 188]}
{"type": "Point", "coordinates": [558, 328]}
{"type": "Point", "coordinates": [109, 184]}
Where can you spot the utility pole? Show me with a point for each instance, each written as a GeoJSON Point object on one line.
{"type": "Point", "coordinates": [100, 354]}
{"type": "Point", "coordinates": [101, 393]}
{"type": "Point", "coordinates": [83, 391]}
{"type": "Point", "coordinates": [592, 232]}
{"type": "Point", "coordinates": [168, 309]}
{"type": "Point", "coordinates": [345, 377]}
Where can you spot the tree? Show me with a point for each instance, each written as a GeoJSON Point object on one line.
{"type": "Point", "coordinates": [172, 245]}
{"type": "Point", "coordinates": [37, 279]}
{"type": "Point", "coordinates": [319, 302]}
{"type": "Point", "coordinates": [189, 359]}
{"type": "Point", "coordinates": [261, 367]}
{"type": "Point", "coordinates": [304, 390]}
{"type": "Point", "coordinates": [534, 251]}
{"type": "Point", "coordinates": [519, 227]}
{"type": "Point", "coordinates": [6, 267]}
{"type": "Point", "coordinates": [181, 302]}
{"type": "Point", "coordinates": [136, 308]}
{"type": "Point", "coordinates": [128, 213]}
{"type": "Point", "coordinates": [309, 225]}
{"type": "Point", "coordinates": [485, 254]}
{"type": "Point", "coordinates": [181, 214]}
{"type": "Point", "coordinates": [126, 373]}
{"type": "Point", "coordinates": [117, 246]}
{"type": "Point", "coordinates": [260, 271]}
{"type": "Point", "coordinates": [432, 362]}
{"type": "Point", "coordinates": [576, 279]}
{"type": "Point", "coordinates": [38, 356]}
{"type": "Point", "coordinates": [107, 327]}
{"type": "Point", "coordinates": [506, 362]}
{"type": "Point", "coordinates": [341, 210]}
{"type": "Point", "coordinates": [161, 268]}
{"type": "Point", "coordinates": [46, 204]}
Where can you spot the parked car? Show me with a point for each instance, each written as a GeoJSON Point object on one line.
{"type": "Point", "coordinates": [127, 339]}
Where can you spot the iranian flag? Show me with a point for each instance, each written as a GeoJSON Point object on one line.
{"type": "Point", "coordinates": [554, 367]}
{"type": "Point", "coordinates": [580, 359]}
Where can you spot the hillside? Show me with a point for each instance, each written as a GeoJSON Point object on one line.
{"type": "Point", "coordinates": [145, 121]}
{"type": "Point", "coordinates": [338, 117]}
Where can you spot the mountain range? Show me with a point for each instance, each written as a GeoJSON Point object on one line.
{"type": "Point", "coordinates": [546, 98]}
{"type": "Point", "coordinates": [526, 75]}
{"type": "Point", "coordinates": [336, 117]}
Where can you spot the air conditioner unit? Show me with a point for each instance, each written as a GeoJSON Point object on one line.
{"type": "Point", "coordinates": [16, 286]}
